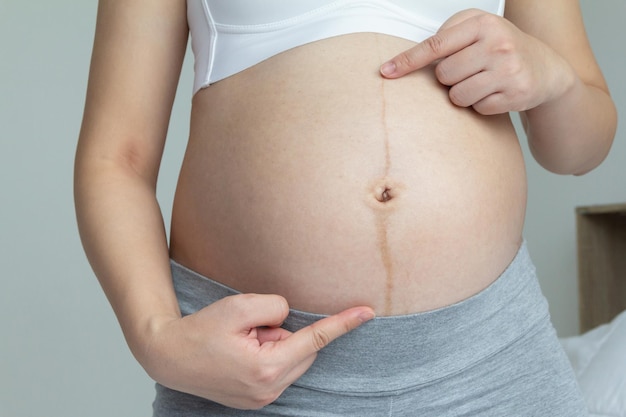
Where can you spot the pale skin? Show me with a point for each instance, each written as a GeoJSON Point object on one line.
{"type": "Point", "coordinates": [537, 62]}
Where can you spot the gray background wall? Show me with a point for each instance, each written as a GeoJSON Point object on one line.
{"type": "Point", "coordinates": [61, 352]}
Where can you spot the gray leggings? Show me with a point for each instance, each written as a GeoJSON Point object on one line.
{"type": "Point", "coordinates": [494, 354]}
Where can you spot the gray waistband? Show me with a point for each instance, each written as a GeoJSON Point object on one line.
{"type": "Point", "coordinates": [391, 354]}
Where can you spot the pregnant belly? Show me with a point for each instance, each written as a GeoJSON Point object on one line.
{"type": "Point", "coordinates": [347, 189]}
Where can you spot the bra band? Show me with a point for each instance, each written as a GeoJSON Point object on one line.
{"type": "Point", "coordinates": [229, 36]}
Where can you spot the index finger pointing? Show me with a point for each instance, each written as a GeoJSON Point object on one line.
{"type": "Point", "coordinates": [421, 55]}
{"type": "Point", "coordinates": [311, 339]}
{"type": "Point", "coordinates": [441, 45]}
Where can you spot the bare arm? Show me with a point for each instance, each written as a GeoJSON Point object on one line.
{"type": "Point", "coordinates": [248, 360]}
{"type": "Point", "coordinates": [538, 62]}
{"type": "Point", "coordinates": [573, 132]}
{"type": "Point", "coordinates": [138, 52]}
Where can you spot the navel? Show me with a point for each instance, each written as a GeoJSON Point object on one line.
{"type": "Point", "coordinates": [384, 193]}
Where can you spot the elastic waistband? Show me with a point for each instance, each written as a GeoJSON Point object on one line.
{"type": "Point", "coordinates": [398, 353]}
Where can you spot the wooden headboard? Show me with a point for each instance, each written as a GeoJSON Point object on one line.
{"type": "Point", "coordinates": [601, 263]}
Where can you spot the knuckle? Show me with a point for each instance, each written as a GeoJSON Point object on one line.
{"type": "Point", "coordinates": [243, 305]}
{"type": "Point", "coordinates": [486, 19]}
{"type": "Point", "coordinates": [320, 338]}
{"type": "Point", "coordinates": [237, 305]}
{"type": "Point", "coordinates": [457, 97]}
{"type": "Point", "coordinates": [442, 73]}
{"type": "Point", "coordinates": [507, 53]}
{"type": "Point", "coordinates": [263, 399]}
{"type": "Point", "coordinates": [265, 372]}
{"type": "Point", "coordinates": [281, 305]}
{"type": "Point", "coordinates": [488, 23]}
{"type": "Point", "coordinates": [435, 44]}
{"type": "Point", "coordinates": [268, 375]}
{"type": "Point", "coordinates": [406, 60]}
{"type": "Point", "coordinates": [483, 108]}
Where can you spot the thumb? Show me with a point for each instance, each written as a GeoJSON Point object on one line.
{"type": "Point", "coordinates": [243, 312]}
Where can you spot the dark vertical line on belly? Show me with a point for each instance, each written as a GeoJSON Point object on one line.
{"type": "Point", "coordinates": [383, 215]}
{"type": "Point", "coordinates": [383, 241]}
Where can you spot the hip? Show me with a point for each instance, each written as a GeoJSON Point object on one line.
{"type": "Point", "coordinates": [495, 353]}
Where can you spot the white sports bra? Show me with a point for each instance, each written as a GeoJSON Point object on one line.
{"type": "Point", "coordinates": [228, 36]}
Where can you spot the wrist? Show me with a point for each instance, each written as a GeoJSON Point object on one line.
{"type": "Point", "coordinates": [562, 85]}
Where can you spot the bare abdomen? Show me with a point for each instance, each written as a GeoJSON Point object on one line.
{"type": "Point", "coordinates": [334, 187]}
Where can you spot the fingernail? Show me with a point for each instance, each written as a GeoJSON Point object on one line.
{"type": "Point", "coordinates": [366, 315]}
{"type": "Point", "coordinates": [388, 68]}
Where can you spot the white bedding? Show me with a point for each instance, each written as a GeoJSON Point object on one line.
{"type": "Point", "coordinates": [599, 360]}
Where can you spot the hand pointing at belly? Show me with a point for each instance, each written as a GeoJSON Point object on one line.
{"type": "Point", "coordinates": [488, 63]}
{"type": "Point", "coordinates": [234, 352]}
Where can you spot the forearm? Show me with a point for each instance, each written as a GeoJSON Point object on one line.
{"type": "Point", "coordinates": [572, 134]}
{"type": "Point", "coordinates": [122, 231]}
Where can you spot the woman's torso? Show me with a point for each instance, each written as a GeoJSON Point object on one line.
{"type": "Point", "coordinates": [310, 176]}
